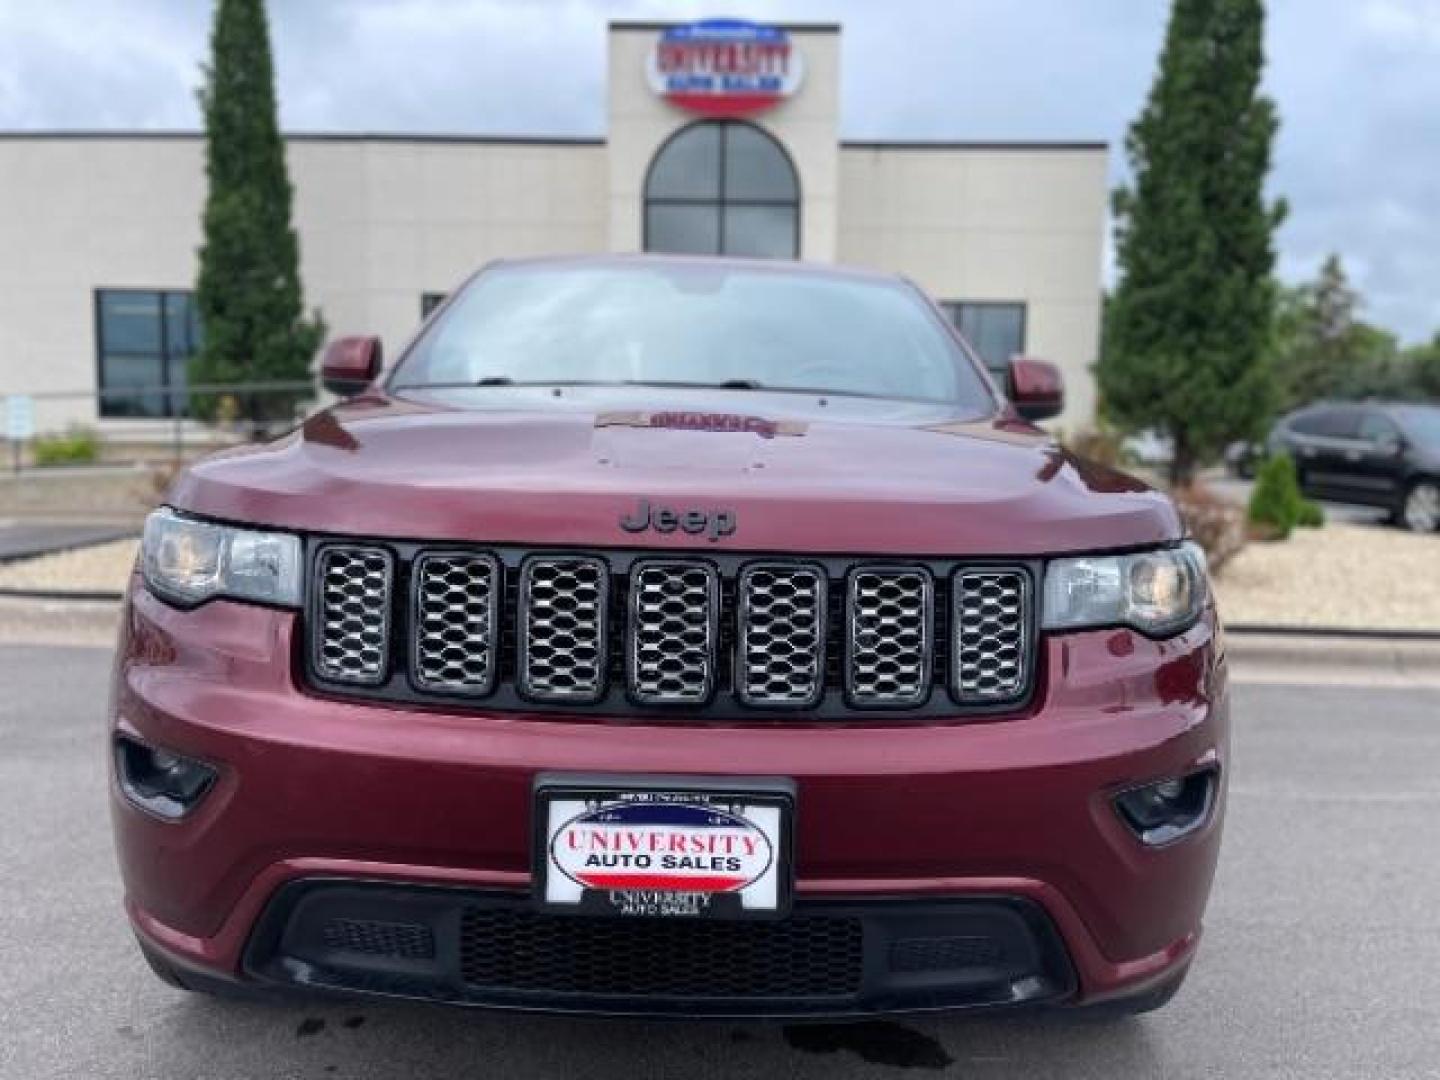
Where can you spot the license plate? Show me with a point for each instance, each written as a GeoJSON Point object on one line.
{"type": "Point", "coordinates": [663, 848]}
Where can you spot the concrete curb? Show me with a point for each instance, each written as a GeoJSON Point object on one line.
{"type": "Point", "coordinates": [64, 595]}
{"type": "Point", "coordinates": [1371, 632]}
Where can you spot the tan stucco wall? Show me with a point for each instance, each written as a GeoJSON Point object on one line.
{"type": "Point", "coordinates": [989, 223]}
{"type": "Point", "coordinates": [807, 125]}
{"type": "Point", "coordinates": [380, 222]}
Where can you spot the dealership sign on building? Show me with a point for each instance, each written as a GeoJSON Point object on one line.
{"type": "Point", "coordinates": [724, 67]}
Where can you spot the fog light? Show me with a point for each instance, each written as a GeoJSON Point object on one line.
{"type": "Point", "coordinates": [1163, 812]}
{"type": "Point", "coordinates": [166, 784]}
{"type": "Point", "coordinates": [1170, 789]}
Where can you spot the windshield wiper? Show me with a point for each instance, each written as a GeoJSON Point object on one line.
{"type": "Point", "coordinates": [676, 384]}
{"type": "Point", "coordinates": [494, 380]}
{"type": "Point", "coordinates": [724, 384]}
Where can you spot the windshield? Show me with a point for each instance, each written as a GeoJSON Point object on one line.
{"type": "Point", "coordinates": [1421, 424]}
{"type": "Point", "coordinates": [693, 325]}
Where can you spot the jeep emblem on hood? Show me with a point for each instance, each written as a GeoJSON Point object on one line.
{"type": "Point", "coordinates": [663, 519]}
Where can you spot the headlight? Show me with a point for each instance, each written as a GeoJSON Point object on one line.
{"type": "Point", "coordinates": [187, 561]}
{"type": "Point", "coordinates": [1158, 592]}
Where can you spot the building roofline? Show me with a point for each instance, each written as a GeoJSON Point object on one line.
{"type": "Point", "coordinates": [788, 27]}
{"type": "Point", "coordinates": [939, 144]}
{"type": "Point", "coordinates": [316, 136]}
{"type": "Point", "coordinates": [528, 140]}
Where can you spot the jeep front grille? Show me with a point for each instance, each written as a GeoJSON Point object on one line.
{"type": "Point", "coordinates": [721, 634]}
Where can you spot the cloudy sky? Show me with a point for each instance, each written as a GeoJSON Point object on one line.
{"type": "Point", "coordinates": [1357, 81]}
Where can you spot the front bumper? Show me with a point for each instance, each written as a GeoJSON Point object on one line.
{"type": "Point", "coordinates": [828, 957]}
{"type": "Point", "coordinates": [1013, 809]}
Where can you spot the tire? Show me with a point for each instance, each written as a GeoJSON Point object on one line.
{"type": "Point", "coordinates": [1419, 510]}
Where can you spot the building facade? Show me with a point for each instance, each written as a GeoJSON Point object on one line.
{"type": "Point", "coordinates": [722, 137]}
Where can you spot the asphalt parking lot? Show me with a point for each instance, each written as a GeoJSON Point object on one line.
{"type": "Point", "coordinates": [1322, 955]}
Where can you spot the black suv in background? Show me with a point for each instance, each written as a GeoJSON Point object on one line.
{"type": "Point", "coordinates": [1371, 453]}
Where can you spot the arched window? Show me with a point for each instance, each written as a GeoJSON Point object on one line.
{"type": "Point", "coordinates": [722, 187]}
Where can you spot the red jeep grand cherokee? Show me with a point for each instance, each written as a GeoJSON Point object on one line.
{"type": "Point", "coordinates": [671, 636]}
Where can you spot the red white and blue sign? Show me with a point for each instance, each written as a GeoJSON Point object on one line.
{"type": "Point", "coordinates": [662, 853]}
{"type": "Point", "coordinates": [724, 67]}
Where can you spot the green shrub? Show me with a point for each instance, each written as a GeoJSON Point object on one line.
{"type": "Point", "coordinates": [1277, 504]}
{"type": "Point", "coordinates": [78, 446]}
{"type": "Point", "coordinates": [1311, 515]}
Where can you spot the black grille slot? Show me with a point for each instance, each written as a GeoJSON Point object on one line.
{"type": "Point", "coordinates": [352, 610]}
{"type": "Point", "coordinates": [456, 619]}
{"type": "Point", "coordinates": [782, 613]}
{"type": "Point", "coordinates": [405, 941]}
{"type": "Point", "coordinates": [563, 608]}
{"type": "Point", "coordinates": [989, 634]}
{"type": "Point", "coordinates": [945, 953]}
{"type": "Point", "coordinates": [802, 956]}
{"type": "Point", "coordinates": [888, 650]}
{"type": "Point", "coordinates": [674, 610]}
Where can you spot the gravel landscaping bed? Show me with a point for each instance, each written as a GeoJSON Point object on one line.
{"type": "Point", "coordinates": [1361, 576]}
{"type": "Point", "coordinates": [1346, 575]}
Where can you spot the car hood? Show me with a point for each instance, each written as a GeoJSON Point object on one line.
{"type": "Point", "coordinates": [797, 474]}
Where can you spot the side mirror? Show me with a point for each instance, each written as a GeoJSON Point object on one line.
{"type": "Point", "coordinates": [1391, 445]}
{"type": "Point", "coordinates": [350, 365]}
{"type": "Point", "coordinates": [1037, 389]}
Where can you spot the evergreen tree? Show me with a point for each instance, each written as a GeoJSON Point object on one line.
{"type": "Point", "coordinates": [1189, 328]}
{"type": "Point", "coordinates": [248, 294]}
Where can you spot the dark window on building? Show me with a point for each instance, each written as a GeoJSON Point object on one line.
{"type": "Point", "coordinates": [144, 339]}
{"type": "Point", "coordinates": [722, 187]}
{"type": "Point", "coordinates": [429, 302]}
{"type": "Point", "coordinates": [995, 330]}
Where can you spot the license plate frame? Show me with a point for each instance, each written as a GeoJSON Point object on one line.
{"type": "Point", "coordinates": [707, 807]}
